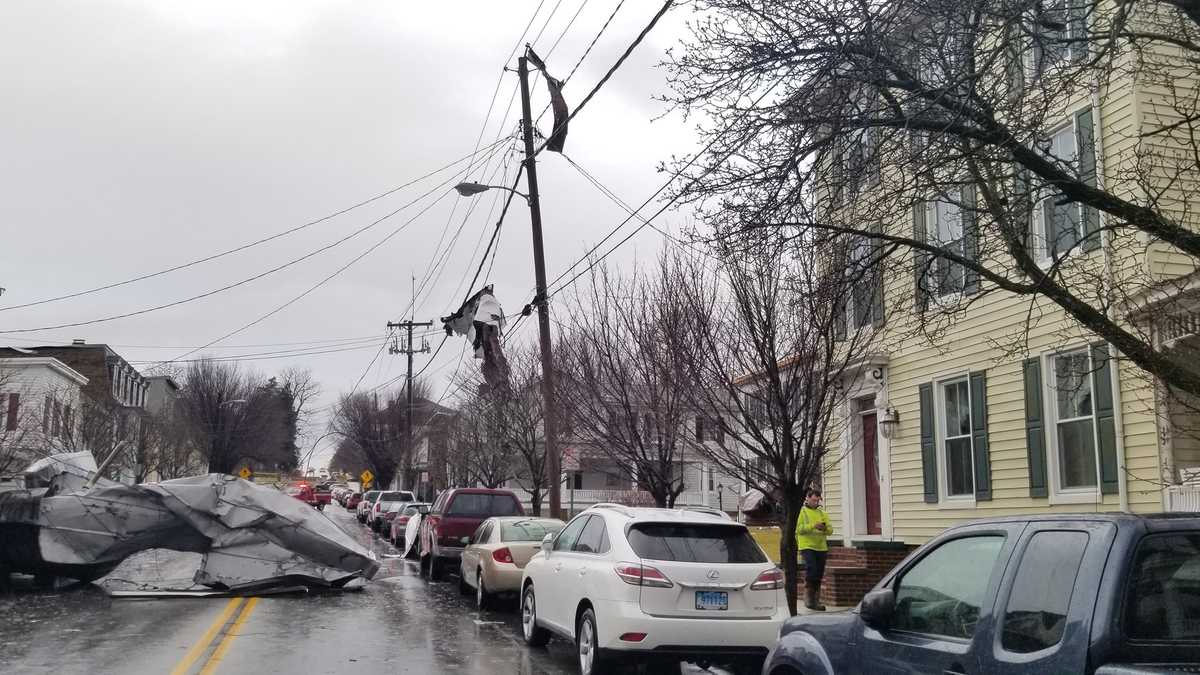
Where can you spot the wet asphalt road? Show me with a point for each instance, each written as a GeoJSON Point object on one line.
{"type": "Point", "coordinates": [397, 624]}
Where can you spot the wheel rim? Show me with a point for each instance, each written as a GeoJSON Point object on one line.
{"type": "Point", "coordinates": [479, 591]}
{"type": "Point", "coordinates": [587, 651]}
{"type": "Point", "coordinates": [527, 614]}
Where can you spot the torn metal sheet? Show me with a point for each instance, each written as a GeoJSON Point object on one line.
{"type": "Point", "coordinates": [249, 535]}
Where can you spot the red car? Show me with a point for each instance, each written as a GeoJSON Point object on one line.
{"type": "Point", "coordinates": [352, 501]}
{"type": "Point", "coordinates": [453, 518]}
{"type": "Point", "coordinates": [305, 493]}
{"type": "Point", "coordinates": [400, 522]}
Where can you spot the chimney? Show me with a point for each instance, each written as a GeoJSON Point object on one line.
{"type": "Point", "coordinates": [79, 341]}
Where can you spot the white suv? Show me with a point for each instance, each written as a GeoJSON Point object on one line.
{"type": "Point", "coordinates": [678, 583]}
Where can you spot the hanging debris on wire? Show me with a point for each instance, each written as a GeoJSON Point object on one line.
{"type": "Point", "coordinates": [558, 138]}
{"type": "Point", "coordinates": [69, 522]}
{"type": "Point", "coordinates": [481, 319]}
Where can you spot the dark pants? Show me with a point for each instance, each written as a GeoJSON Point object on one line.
{"type": "Point", "coordinates": [814, 564]}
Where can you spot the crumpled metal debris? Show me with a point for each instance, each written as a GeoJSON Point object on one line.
{"type": "Point", "coordinates": [251, 536]}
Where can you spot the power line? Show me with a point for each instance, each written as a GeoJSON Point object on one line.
{"type": "Point", "coordinates": [243, 247]}
{"type": "Point", "coordinates": [566, 28]}
{"type": "Point", "coordinates": [242, 282]}
{"type": "Point", "coordinates": [546, 22]}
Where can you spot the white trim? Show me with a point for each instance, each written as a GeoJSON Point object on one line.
{"type": "Point", "coordinates": [863, 386]}
{"type": "Point", "coordinates": [945, 499]}
{"type": "Point", "coordinates": [47, 362]}
{"type": "Point", "coordinates": [1057, 494]}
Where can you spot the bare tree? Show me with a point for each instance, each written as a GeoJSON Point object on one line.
{"type": "Point", "coordinates": [521, 415]}
{"type": "Point", "coordinates": [766, 343]}
{"type": "Point", "coordinates": [234, 417]}
{"type": "Point", "coordinates": [622, 380]}
{"type": "Point", "coordinates": [379, 430]}
{"type": "Point", "coordinates": [842, 116]}
{"type": "Point", "coordinates": [481, 447]}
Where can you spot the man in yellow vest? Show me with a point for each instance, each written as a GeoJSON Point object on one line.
{"type": "Point", "coordinates": [812, 534]}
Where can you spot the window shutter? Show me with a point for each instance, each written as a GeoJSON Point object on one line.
{"type": "Point", "coordinates": [1076, 25]}
{"type": "Point", "coordinates": [46, 415]}
{"type": "Point", "coordinates": [838, 173]}
{"type": "Point", "coordinates": [928, 446]}
{"type": "Point", "coordinates": [877, 276]}
{"type": "Point", "coordinates": [699, 429]}
{"type": "Point", "coordinates": [970, 239]}
{"type": "Point", "coordinates": [1085, 141]}
{"type": "Point", "coordinates": [1106, 434]}
{"type": "Point", "coordinates": [1035, 429]}
{"type": "Point", "coordinates": [1014, 61]}
{"type": "Point", "coordinates": [979, 437]}
{"type": "Point", "coordinates": [1022, 214]}
{"type": "Point", "coordinates": [920, 259]}
{"type": "Point", "coordinates": [14, 408]}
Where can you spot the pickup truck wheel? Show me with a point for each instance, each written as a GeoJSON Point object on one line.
{"type": "Point", "coordinates": [535, 635]}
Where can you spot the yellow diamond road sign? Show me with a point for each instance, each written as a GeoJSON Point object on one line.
{"type": "Point", "coordinates": [366, 476]}
{"type": "Point", "coordinates": [245, 473]}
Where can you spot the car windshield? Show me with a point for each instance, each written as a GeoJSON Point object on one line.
{"type": "Point", "coordinates": [1164, 589]}
{"type": "Point", "coordinates": [474, 504]}
{"type": "Point", "coordinates": [695, 543]}
{"type": "Point", "coordinates": [529, 530]}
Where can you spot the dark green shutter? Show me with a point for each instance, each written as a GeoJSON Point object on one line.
{"type": "Point", "coordinates": [970, 239]}
{"type": "Point", "coordinates": [1022, 214]}
{"type": "Point", "coordinates": [928, 444]}
{"type": "Point", "coordinates": [1035, 429]}
{"type": "Point", "coordinates": [839, 171]}
{"type": "Point", "coordinates": [920, 259]}
{"type": "Point", "coordinates": [844, 274]}
{"type": "Point", "coordinates": [1106, 433]}
{"type": "Point", "coordinates": [979, 437]}
{"type": "Point", "coordinates": [877, 276]}
{"type": "Point", "coordinates": [1085, 140]}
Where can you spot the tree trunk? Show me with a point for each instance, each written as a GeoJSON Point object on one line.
{"type": "Point", "coordinates": [788, 554]}
{"type": "Point", "coordinates": [535, 502]}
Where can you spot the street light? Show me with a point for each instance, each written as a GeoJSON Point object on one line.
{"type": "Point", "coordinates": [469, 189]}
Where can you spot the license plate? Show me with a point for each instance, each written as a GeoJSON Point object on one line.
{"type": "Point", "coordinates": [718, 600]}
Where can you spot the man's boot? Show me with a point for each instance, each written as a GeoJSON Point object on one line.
{"type": "Point", "coordinates": [817, 597]}
{"type": "Point", "coordinates": [810, 595]}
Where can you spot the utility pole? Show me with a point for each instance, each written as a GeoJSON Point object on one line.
{"type": "Point", "coordinates": [550, 418]}
{"type": "Point", "coordinates": [409, 350]}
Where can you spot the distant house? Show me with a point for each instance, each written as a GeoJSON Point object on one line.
{"type": "Point", "coordinates": [39, 410]}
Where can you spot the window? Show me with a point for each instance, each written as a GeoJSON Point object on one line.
{"type": "Point", "coordinates": [473, 504]}
{"type": "Point", "coordinates": [863, 277]}
{"type": "Point", "coordinates": [529, 530]}
{"type": "Point", "coordinates": [565, 541]}
{"type": "Point", "coordinates": [710, 479]}
{"type": "Point", "coordinates": [1036, 615]}
{"type": "Point", "coordinates": [56, 422]}
{"type": "Point", "coordinates": [1074, 420]}
{"type": "Point", "coordinates": [1163, 596]}
{"type": "Point", "coordinates": [719, 431]}
{"type": "Point", "coordinates": [577, 480]}
{"type": "Point", "coordinates": [954, 431]}
{"type": "Point", "coordinates": [699, 429]}
{"type": "Point", "coordinates": [1056, 29]}
{"type": "Point", "coordinates": [942, 593]}
{"type": "Point", "coordinates": [694, 543]}
{"type": "Point", "coordinates": [1058, 226]}
{"type": "Point", "coordinates": [944, 223]}
{"type": "Point", "coordinates": [592, 539]}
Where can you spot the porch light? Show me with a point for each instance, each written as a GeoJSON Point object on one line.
{"type": "Point", "coordinates": [888, 422]}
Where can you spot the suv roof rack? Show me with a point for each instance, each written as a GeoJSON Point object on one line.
{"type": "Point", "coordinates": [620, 508]}
{"type": "Point", "coordinates": [708, 510]}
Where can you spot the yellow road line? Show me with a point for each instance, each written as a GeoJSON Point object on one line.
{"type": "Point", "coordinates": [233, 632]}
{"type": "Point", "coordinates": [202, 645]}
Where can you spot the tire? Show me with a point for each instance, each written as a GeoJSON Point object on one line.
{"type": "Point", "coordinates": [535, 635]}
{"type": "Point", "coordinates": [463, 589]}
{"type": "Point", "coordinates": [437, 570]}
{"type": "Point", "coordinates": [483, 599]}
{"type": "Point", "coordinates": [586, 639]}
{"type": "Point", "coordinates": [424, 563]}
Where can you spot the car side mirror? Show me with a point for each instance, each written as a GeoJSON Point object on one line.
{"type": "Point", "coordinates": [547, 543]}
{"type": "Point", "coordinates": [466, 541]}
{"type": "Point", "coordinates": [877, 607]}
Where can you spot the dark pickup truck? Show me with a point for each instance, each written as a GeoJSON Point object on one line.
{"type": "Point", "coordinates": [1104, 594]}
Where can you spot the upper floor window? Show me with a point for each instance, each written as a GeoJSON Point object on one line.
{"type": "Point", "coordinates": [945, 227]}
{"type": "Point", "coordinates": [1058, 31]}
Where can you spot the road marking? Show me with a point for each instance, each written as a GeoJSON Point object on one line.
{"type": "Point", "coordinates": [201, 646]}
{"type": "Point", "coordinates": [234, 630]}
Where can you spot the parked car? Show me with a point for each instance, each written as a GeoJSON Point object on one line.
{"type": "Point", "coordinates": [353, 499]}
{"type": "Point", "coordinates": [323, 496]}
{"type": "Point", "coordinates": [453, 518]}
{"type": "Point", "coordinates": [383, 522]}
{"type": "Point", "coordinates": [1095, 593]}
{"type": "Point", "coordinates": [654, 584]}
{"type": "Point", "coordinates": [400, 523]}
{"type": "Point", "coordinates": [305, 493]}
{"type": "Point", "coordinates": [368, 500]}
{"type": "Point", "coordinates": [491, 564]}
{"type": "Point", "coordinates": [382, 501]}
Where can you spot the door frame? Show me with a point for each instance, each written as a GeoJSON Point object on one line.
{"type": "Point", "coordinates": [869, 381]}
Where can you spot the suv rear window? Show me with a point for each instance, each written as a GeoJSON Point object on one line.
{"type": "Point", "coordinates": [470, 504]}
{"type": "Point", "coordinates": [1163, 601]}
{"type": "Point", "coordinates": [695, 543]}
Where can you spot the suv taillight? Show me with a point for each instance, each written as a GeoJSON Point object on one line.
{"type": "Point", "coordinates": [502, 555]}
{"type": "Point", "coordinates": [637, 574]}
{"type": "Point", "coordinates": [770, 580]}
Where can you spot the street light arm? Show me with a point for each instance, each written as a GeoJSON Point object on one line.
{"type": "Point", "coordinates": [469, 189]}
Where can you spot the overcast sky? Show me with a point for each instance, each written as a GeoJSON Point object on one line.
{"type": "Point", "coordinates": [138, 135]}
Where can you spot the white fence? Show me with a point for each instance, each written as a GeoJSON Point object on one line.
{"type": "Point", "coordinates": [1183, 499]}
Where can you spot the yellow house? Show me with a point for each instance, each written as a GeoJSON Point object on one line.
{"type": "Point", "coordinates": [1004, 404]}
